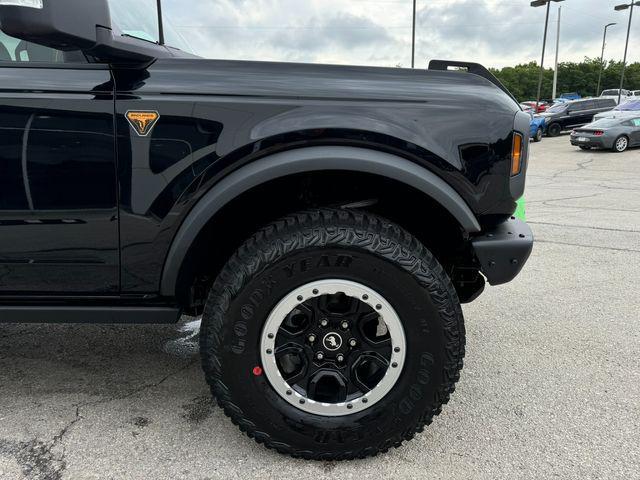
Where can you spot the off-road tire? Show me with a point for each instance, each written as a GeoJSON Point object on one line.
{"type": "Point", "coordinates": [554, 130]}
{"type": "Point", "coordinates": [308, 245]}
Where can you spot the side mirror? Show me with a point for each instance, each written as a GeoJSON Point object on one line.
{"type": "Point", "coordinates": [61, 24]}
{"type": "Point", "coordinates": [69, 25]}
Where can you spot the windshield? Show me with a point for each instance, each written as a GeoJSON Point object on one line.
{"type": "Point", "coordinates": [633, 105]}
{"type": "Point", "coordinates": [136, 19]}
{"type": "Point", "coordinates": [609, 93]}
{"type": "Point", "coordinates": [140, 20]}
{"type": "Point", "coordinates": [561, 107]}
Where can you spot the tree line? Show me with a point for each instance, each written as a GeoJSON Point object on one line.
{"type": "Point", "coordinates": [522, 80]}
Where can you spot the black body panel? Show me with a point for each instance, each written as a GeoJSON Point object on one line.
{"type": "Point", "coordinates": [58, 200]}
{"type": "Point", "coordinates": [503, 250]}
{"type": "Point", "coordinates": [217, 116]}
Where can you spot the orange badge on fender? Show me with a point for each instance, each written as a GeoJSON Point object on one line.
{"type": "Point", "coordinates": [143, 121]}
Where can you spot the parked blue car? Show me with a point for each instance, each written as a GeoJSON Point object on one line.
{"type": "Point", "coordinates": [536, 127]}
{"type": "Point", "coordinates": [571, 96]}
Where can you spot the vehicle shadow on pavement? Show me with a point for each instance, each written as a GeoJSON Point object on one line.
{"type": "Point", "coordinates": [92, 359]}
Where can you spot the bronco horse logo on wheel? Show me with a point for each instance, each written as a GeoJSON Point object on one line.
{"type": "Point", "coordinates": [332, 341]}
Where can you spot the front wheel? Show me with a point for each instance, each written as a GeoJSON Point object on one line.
{"type": "Point", "coordinates": [621, 144]}
{"type": "Point", "coordinates": [554, 130]}
{"type": "Point", "coordinates": [332, 334]}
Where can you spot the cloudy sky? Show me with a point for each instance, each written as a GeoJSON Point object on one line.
{"type": "Point", "coordinates": [378, 32]}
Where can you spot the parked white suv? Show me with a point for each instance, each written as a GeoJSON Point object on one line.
{"type": "Point", "coordinates": [613, 93]}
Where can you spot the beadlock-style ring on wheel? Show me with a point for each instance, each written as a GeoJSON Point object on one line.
{"type": "Point", "coordinates": [333, 347]}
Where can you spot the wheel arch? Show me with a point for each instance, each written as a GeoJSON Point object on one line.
{"type": "Point", "coordinates": [307, 160]}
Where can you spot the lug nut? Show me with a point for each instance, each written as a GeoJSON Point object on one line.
{"type": "Point", "coordinates": [324, 322]}
{"type": "Point", "coordinates": [344, 325]}
{"type": "Point", "coordinates": [353, 342]}
{"type": "Point", "coordinates": [340, 358]}
{"type": "Point", "coordinates": [319, 356]}
{"type": "Point", "coordinates": [312, 338]}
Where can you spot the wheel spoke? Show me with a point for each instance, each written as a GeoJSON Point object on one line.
{"type": "Point", "coordinates": [337, 304]}
{"type": "Point", "coordinates": [298, 321]}
{"type": "Point", "coordinates": [368, 370]}
{"type": "Point", "coordinates": [373, 332]}
{"type": "Point", "coordinates": [382, 347]}
{"type": "Point", "coordinates": [327, 386]}
{"type": "Point", "coordinates": [293, 362]}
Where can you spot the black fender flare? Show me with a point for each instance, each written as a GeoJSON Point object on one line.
{"type": "Point", "coordinates": [307, 160]}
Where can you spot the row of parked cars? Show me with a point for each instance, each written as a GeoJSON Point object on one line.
{"type": "Point", "coordinates": [595, 122]}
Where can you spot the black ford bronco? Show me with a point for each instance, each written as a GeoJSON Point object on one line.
{"type": "Point", "coordinates": [326, 221]}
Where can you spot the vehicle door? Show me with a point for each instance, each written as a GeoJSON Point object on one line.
{"type": "Point", "coordinates": [581, 113]}
{"type": "Point", "coordinates": [567, 117]}
{"type": "Point", "coordinates": [604, 105]}
{"type": "Point", "coordinates": [635, 131]}
{"type": "Point", "coordinates": [58, 207]}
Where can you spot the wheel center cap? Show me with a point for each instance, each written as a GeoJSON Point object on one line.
{"type": "Point", "coordinates": [332, 341]}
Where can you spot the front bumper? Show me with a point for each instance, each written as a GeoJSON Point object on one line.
{"type": "Point", "coordinates": [503, 250]}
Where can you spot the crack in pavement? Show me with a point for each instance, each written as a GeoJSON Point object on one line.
{"type": "Point", "coordinates": [606, 209]}
{"type": "Point", "coordinates": [599, 247]}
{"type": "Point", "coordinates": [582, 165]}
{"type": "Point", "coordinates": [626, 189]}
{"type": "Point", "coordinates": [36, 459]}
{"type": "Point", "coordinates": [142, 388]}
{"type": "Point", "coordinates": [39, 461]}
{"type": "Point", "coordinates": [561, 199]}
{"type": "Point", "coordinates": [584, 226]}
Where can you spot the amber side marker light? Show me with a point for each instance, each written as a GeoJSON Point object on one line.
{"type": "Point", "coordinates": [516, 154]}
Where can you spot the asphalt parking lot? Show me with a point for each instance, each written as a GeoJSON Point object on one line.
{"type": "Point", "coordinates": [550, 389]}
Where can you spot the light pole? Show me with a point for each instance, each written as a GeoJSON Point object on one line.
{"type": "Point", "coordinates": [541, 3]}
{"type": "Point", "coordinates": [624, 6]}
{"type": "Point", "coordinates": [413, 37]}
{"type": "Point", "coordinates": [555, 68]}
{"type": "Point", "coordinates": [604, 41]}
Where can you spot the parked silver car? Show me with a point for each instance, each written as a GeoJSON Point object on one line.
{"type": "Point", "coordinates": [616, 134]}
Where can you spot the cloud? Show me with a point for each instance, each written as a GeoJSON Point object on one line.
{"type": "Point", "coordinates": [378, 32]}
{"type": "Point", "coordinates": [340, 30]}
